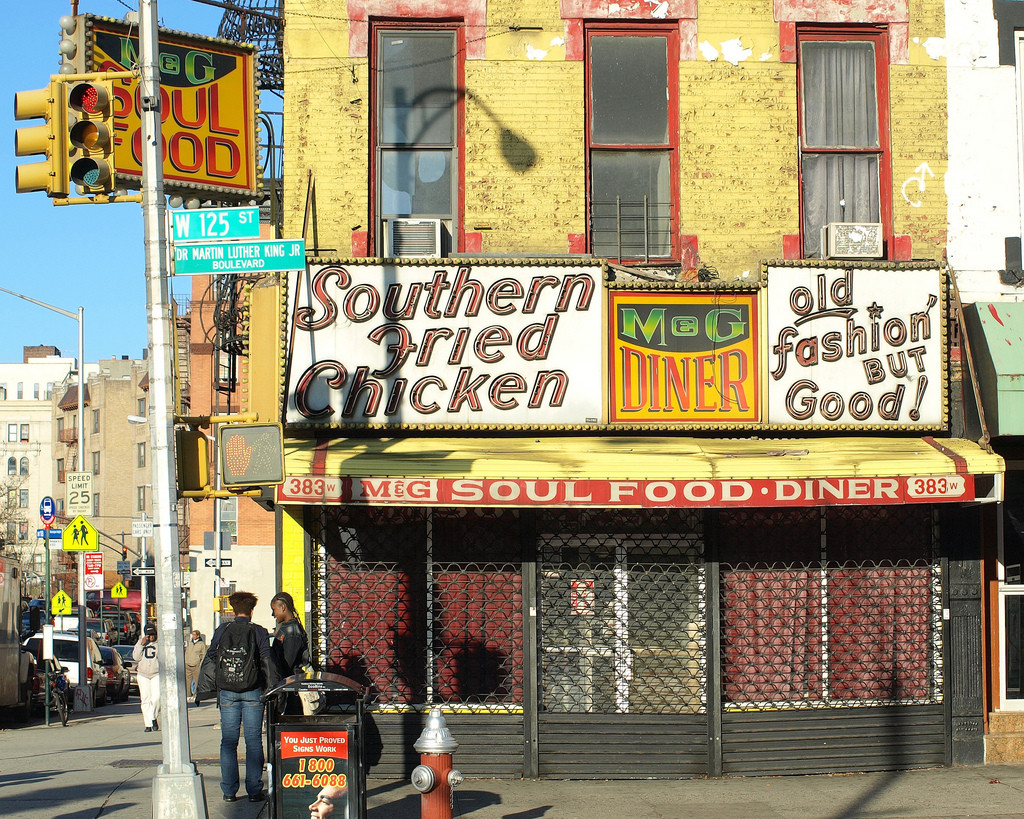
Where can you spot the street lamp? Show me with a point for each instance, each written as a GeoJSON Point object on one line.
{"type": "Point", "coordinates": [80, 318]}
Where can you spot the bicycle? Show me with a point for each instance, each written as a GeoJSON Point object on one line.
{"type": "Point", "coordinates": [59, 687]}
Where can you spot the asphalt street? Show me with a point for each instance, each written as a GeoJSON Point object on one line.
{"type": "Point", "coordinates": [102, 765]}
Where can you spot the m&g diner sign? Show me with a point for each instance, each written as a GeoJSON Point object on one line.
{"type": "Point", "coordinates": [464, 344]}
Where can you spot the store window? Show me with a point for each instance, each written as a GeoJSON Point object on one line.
{"type": "Point", "coordinates": [633, 142]}
{"type": "Point", "coordinates": [417, 128]}
{"type": "Point", "coordinates": [845, 171]}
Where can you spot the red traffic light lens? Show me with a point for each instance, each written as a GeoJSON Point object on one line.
{"type": "Point", "coordinates": [88, 98]}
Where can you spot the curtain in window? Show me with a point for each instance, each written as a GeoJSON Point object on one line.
{"type": "Point", "coordinates": [840, 112]}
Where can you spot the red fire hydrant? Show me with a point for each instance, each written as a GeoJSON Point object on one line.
{"type": "Point", "coordinates": [434, 777]}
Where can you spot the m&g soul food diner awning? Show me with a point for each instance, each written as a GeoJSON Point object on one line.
{"type": "Point", "coordinates": [647, 472]}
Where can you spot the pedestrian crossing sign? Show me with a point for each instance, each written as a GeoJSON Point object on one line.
{"type": "Point", "coordinates": [80, 536]}
{"type": "Point", "coordinates": [118, 591]}
{"type": "Point", "coordinates": [60, 604]}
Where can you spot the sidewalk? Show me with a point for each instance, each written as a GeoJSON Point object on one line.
{"type": "Point", "coordinates": [102, 764]}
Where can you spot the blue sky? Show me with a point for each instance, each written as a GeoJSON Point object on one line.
{"type": "Point", "coordinates": [84, 255]}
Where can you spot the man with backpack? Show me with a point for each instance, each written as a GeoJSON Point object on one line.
{"type": "Point", "coordinates": [238, 668]}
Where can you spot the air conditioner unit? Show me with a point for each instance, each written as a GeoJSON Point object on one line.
{"type": "Point", "coordinates": [852, 240]}
{"type": "Point", "coordinates": [412, 238]}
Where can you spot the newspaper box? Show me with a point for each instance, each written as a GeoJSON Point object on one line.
{"type": "Point", "coordinates": [315, 746]}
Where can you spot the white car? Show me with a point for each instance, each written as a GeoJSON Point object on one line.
{"type": "Point", "coordinates": [65, 652]}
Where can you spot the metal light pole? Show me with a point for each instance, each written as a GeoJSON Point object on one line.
{"type": "Point", "coordinates": [177, 786]}
{"type": "Point", "coordinates": [83, 660]}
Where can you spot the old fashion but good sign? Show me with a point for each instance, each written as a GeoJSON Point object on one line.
{"type": "Point", "coordinates": [856, 347]}
{"type": "Point", "coordinates": [469, 345]}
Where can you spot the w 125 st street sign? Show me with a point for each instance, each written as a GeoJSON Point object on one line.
{"type": "Point", "coordinates": [205, 258]}
{"type": "Point", "coordinates": [207, 224]}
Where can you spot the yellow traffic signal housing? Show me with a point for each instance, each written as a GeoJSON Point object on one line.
{"type": "Point", "coordinates": [192, 456]}
{"type": "Point", "coordinates": [46, 140]}
{"type": "Point", "coordinates": [250, 454]}
{"type": "Point", "coordinates": [90, 134]}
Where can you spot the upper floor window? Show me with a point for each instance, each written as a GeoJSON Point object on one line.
{"type": "Point", "coordinates": [21, 390]}
{"type": "Point", "coordinates": [12, 433]}
{"type": "Point", "coordinates": [140, 499]}
{"type": "Point", "coordinates": [49, 390]}
{"type": "Point", "coordinates": [141, 408]}
{"type": "Point", "coordinates": [35, 391]}
{"type": "Point", "coordinates": [23, 467]}
{"type": "Point", "coordinates": [3, 392]}
{"type": "Point", "coordinates": [23, 498]}
{"type": "Point", "coordinates": [95, 421]}
{"type": "Point", "coordinates": [845, 173]}
{"type": "Point", "coordinates": [633, 142]}
{"type": "Point", "coordinates": [96, 463]}
{"type": "Point", "coordinates": [24, 432]}
{"type": "Point", "coordinates": [141, 454]}
{"type": "Point", "coordinates": [12, 466]}
{"type": "Point", "coordinates": [417, 128]}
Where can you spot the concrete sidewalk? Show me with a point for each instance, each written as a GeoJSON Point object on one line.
{"type": "Point", "coordinates": [102, 764]}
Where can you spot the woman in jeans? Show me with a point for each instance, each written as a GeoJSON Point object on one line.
{"type": "Point", "coordinates": [241, 712]}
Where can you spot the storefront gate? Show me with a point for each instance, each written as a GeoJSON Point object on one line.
{"type": "Point", "coordinates": [632, 643]}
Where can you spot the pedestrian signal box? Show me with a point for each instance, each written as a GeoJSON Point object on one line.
{"type": "Point", "coordinates": [250, 454]}
{"type": "Point", "coordinates": [192, 458]}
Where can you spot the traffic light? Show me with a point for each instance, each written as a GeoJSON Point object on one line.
{"type": "Point", "coordinates": [192, 456]}
{"type": "Point", "coordinates": [47, 140]}
{"type": "Point", "coordinates": [250, 454]}
{"type": "Point", "coordinates": [124, 553]}
{"type": "Point", "coordinates": [90, 134]}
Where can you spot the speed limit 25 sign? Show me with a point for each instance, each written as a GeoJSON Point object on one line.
{"type": "Point", "coordinates": [79, 493]}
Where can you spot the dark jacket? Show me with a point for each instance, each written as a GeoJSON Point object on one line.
{"type": "Point", "coordinates": [291, 648]}
{"type": "Point", "coordinates": [206, 685]}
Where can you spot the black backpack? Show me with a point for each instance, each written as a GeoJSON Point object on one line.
{"type": "Point", "coordinates": [238, 658]}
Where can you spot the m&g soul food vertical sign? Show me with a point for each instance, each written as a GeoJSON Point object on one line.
{"type": "Point", "coordinates": [686, 358]}
{"type": "Point", "coordinates": [856, 346]}
{"type": "Point", "coordinates": [208, 105]}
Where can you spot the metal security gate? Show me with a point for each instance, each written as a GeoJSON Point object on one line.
{"type": "Point", "coordinates": [831, 651]}
{"type": "Point", "coordinates": [577, 643]}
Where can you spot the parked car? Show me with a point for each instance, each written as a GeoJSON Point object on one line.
{"type": "Point", "coordinates": [65, 652]}
{"type": "Point", "coordinates": [119, 679]}
{"type": "Point", "coordinates": [102, 630]}
{"type": "Point", "coordinates": [126, 624]}
{"type": "Point", "coordinates": [128, 660]}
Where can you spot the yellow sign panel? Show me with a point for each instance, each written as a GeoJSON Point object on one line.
{"type": "Point", "coordinates": [61, 603]}
{"type": "Point", "coordinates": [118, 591]}
{"type": "Point", "coordinates": [208, 105]}
{"type": "Point", "coordinates": [683, 358]}
{"type": "Point", "coordinates": [80, 536]}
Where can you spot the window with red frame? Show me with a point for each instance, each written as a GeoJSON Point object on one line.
{"type": "Point", "coordinates": [417, 128]}
{"type": "Point", "coordinates": [633, 142]}
{"type": "Point", "coordinates": [845, 173]}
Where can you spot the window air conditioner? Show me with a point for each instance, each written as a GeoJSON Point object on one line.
{"type": "Point", "coordinates": [412, 238]}
{"type": "Point", "coordinates": [852, 240]}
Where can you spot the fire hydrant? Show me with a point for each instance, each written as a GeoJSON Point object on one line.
{"type": "Point", "coordinates": [434, 777]}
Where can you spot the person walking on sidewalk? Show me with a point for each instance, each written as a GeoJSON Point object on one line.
{"type": "Point", "coordinates": [291, 646]}
{"type": "Point", "coordinates": [195, 650]}
{"type": "Point", "coordinates": [147, 670]}
{"type": "Point", "coordinates": [239, 666]}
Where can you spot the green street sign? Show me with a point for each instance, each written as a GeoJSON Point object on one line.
{"type": "Point", "coordinates": [209, 224]}
{"type": "Point", "coordinates": [205, 258]}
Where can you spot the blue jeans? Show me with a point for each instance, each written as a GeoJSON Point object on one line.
{"type": "Point", "coordinates": [241, 711]}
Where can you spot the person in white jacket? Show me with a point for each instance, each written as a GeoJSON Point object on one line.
{"type": "Point", "coordinates": [147, 669]}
